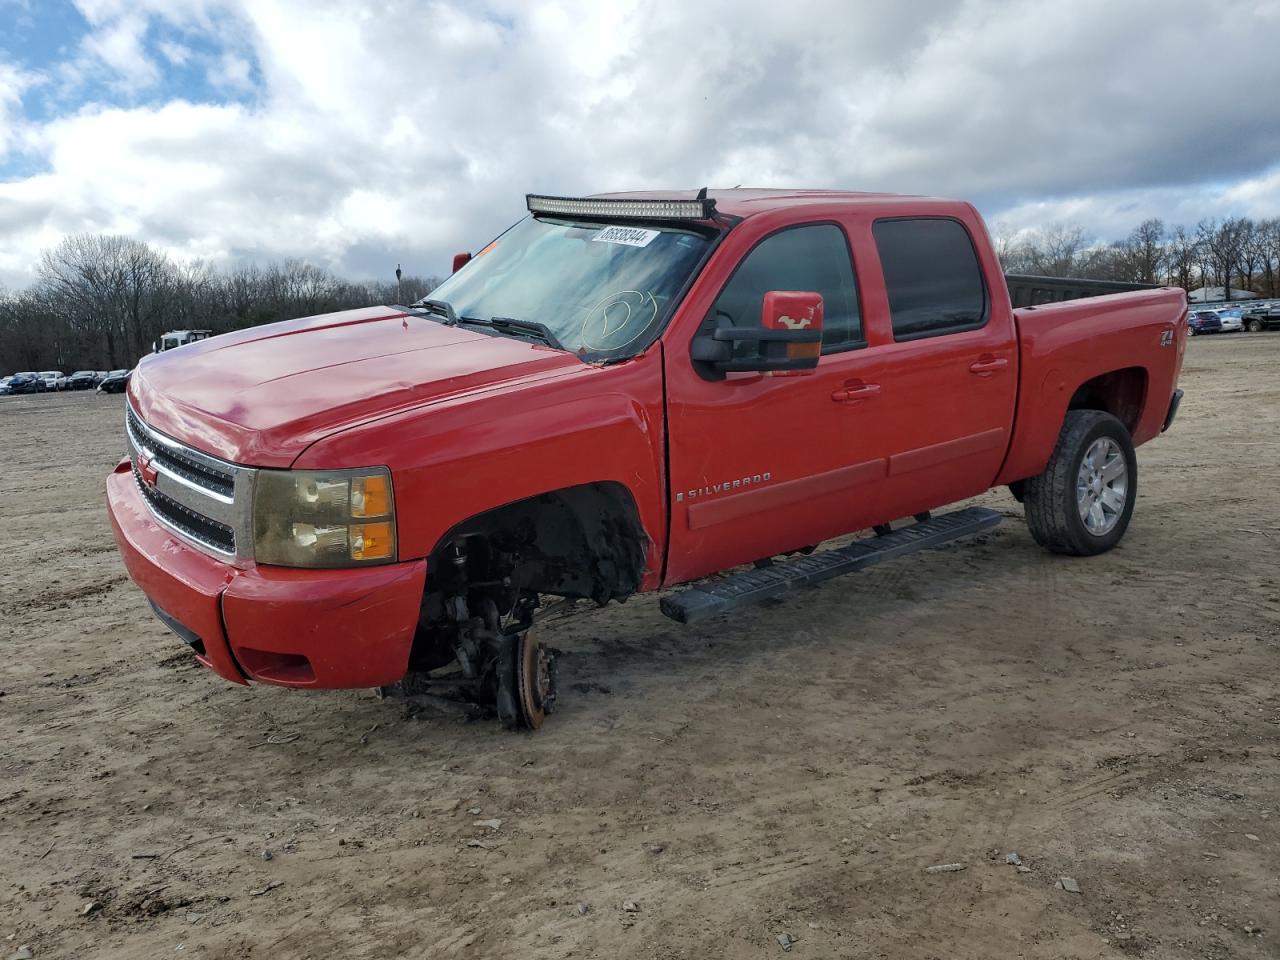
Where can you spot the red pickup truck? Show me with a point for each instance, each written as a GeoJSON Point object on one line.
{"type": "Point", "coordinates": [620, 394]}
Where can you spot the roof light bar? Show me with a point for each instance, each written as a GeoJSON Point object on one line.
{"type": "Point", "coordinates": [630, 209]}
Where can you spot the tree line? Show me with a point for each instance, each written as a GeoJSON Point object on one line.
{"type": "Point", "coordinates": [1236, 252]}
{"type": "Point", "coordinates": [99, 302]}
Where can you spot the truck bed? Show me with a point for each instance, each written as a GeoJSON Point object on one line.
{"type": "Point", "coordinates": [1135, 340]}
{"type": "Point", "coordinates": [1028, 290]}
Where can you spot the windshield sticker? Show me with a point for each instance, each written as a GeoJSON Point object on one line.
{"type": "Point", "coordinates": [630, 236]}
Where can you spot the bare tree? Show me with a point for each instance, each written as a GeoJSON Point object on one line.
{"type": "Point", "coordinates": [1145, 247]}
{"type": "Point", "coordinates": [101, 301]}
{"type": "Point", "coordinates": [1253, 253]}
{"type": "Point", "coordinates": [1054, 251]}
{"type": "Point", "coordinates": [1182, 255]}
{"type": "Point", "coordinates": [1221, 245]}
{"type": "Point", "coordinates": [1267, 236]}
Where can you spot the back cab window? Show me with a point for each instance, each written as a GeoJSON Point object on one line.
{"type": "Point", "coordinates": [932, 277]}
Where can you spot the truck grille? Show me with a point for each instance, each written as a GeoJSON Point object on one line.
{"type": "Point", "coordinates": [210, 477]}
{"type": "Point", "coordinates": [203, 499]}
{"type": "Point", "coordinates": [210, 533]}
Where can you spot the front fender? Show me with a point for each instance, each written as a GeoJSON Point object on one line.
{"type": "Point", "coordinates": [458, 459]}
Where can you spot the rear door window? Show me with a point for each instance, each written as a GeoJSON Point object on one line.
{"type": "Point", "coordinates": [932, 277]}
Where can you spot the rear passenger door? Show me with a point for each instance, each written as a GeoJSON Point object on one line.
{"type": "Point", "coordinates": [952, 360]}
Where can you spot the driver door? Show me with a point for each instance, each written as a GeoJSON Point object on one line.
{"type": "Point", "coordinates": [763, 464]}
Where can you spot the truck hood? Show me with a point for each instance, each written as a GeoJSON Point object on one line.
{"type": "Point", "coordinates": [263, 395]}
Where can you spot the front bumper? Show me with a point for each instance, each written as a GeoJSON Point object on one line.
{"type": "Point", "coordinates": [324, 629]}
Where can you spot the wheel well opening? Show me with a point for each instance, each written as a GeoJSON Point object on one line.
{"type": "Point", "coordinates": [1120, 393]}
{"type": "Point", "coordinates": [579, 542]}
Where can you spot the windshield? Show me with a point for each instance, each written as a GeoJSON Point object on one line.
{"type": "Point", "coordinates": [597, 288]}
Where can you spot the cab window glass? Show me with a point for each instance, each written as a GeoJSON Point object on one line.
{"type": "Point", "coordinates": [813, 258]}
{"type": "Point", "coordinates": [932, 277]}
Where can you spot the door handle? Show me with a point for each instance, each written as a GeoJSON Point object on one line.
{"type": "Point", "coordinates": [855, 390]}
{"type": "Point", "coordinates": [986, 365]}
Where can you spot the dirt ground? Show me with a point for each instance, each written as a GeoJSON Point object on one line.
{"type": "Point", "coordinates": [702, 791]}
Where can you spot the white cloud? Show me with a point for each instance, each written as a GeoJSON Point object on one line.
{"type": "Point", "coordinates": [231, 72]}
{"type": "Point", "coordinates": [377, 135]}
{"type": "Point", "coordinates": [13, 84]}
{"type": "Point", "coordinates": [176, 53]}
{"type": "Point", "coordinates": [119, 47]}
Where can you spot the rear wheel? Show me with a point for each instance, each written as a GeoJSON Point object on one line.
{"type": "Point", "coordinates": [1253, 325]}
{"type": "Point", "coordinates": [1082, 502]}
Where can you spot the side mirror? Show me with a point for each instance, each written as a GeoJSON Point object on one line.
{"type": "Point", "coordinates": [788, 341]}
{"type": "Point", "coordinates": [460, 260]}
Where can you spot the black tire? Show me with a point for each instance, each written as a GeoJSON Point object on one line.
{"type": "Point", "coordinates": [1050, 498]}
{"type": "Point", "coordinates": [1253, 326]}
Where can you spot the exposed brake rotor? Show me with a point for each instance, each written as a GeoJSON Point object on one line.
{"type": "Point", "coordinates": [535, 680]}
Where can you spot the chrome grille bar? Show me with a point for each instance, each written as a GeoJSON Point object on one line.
{"type": "Point", "coordinates": [204, 499]}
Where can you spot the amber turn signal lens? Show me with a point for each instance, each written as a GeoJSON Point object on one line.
{"type": "Point", "coordinates": [372, 541]}
{"type": "Point", "coordinates": [370, 496]}
{"type": "Point", "coordinates": [802, 351]}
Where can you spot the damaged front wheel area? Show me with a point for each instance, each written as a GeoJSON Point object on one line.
{"type": "Point", "coordinates": [526, 682]}
{"type": "Point", "coordinates": [506, 672]}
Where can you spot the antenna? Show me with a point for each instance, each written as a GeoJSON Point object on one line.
{"type": "Point", "coordinates": [702, 194]}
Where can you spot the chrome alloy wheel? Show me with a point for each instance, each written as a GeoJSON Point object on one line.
{"type": "Point", "coordinates": [1102, 486]}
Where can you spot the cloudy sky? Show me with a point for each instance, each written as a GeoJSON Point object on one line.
{"type": "Point", "coordinates": [359, 135]}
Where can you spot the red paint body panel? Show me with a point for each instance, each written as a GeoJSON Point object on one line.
{"type": "Point", "coordinates": [721, 471]}
{"type": "Point", "coordinates": [353, 628]}
{"type": "Point", "coordinates": [1063, 345]}
{"type": "Point", "coordinates": [262, 396]}
{"type": "Point", "coordinates": [312, 628]}
{"type": "Point", "coordinates": [182, 581]}
{"type": "Point", "coordinates": [471, 454]}
{"type": "Point", "coordinates": [797, 431]}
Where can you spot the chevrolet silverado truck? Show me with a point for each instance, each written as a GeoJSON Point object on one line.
{"type": "Point", "coordinates": [619, 394]}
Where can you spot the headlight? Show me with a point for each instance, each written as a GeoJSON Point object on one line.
{"type": "Point", "coordinates": [324, 518]}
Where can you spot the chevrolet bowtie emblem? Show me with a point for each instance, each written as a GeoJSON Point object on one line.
{"type": "Point", "coordinates": [146, 471]}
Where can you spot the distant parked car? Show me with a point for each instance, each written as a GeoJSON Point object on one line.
{"type": "Point", "coordinates": [81, 380]}
{"type": "Point", "coordinates": [4, 385]}
{"type": "Point", "coordinates": [50, 378]}
{"type": "Point", "coordinates": [1265, 316]}
{"type": "Point", "coordinates": [115, 382]}
{"type": "Point", "coordinates": [1232, 321]}
{"type": "Point", "coordinates": [1204, 321]}
{"type": "Point", "coordinates": [29, 382]}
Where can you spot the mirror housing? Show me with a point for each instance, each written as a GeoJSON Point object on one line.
{"type": "Point", "coordinates": [460, 260]}
{"type": "Point", "coordinates": [788, 340]}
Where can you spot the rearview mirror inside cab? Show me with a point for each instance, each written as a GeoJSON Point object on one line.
{"type": "Point", "coordinates": [787, 342]}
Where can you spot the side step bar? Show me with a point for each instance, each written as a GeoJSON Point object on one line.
{"type": "Point", "coordinates": [715, 597]}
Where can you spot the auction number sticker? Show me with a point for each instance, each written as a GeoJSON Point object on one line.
{"type": "Point", "coordinates": [630, 236]}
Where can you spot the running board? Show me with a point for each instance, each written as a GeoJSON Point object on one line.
{"type": "Point", "coordinates": [715, 597]}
